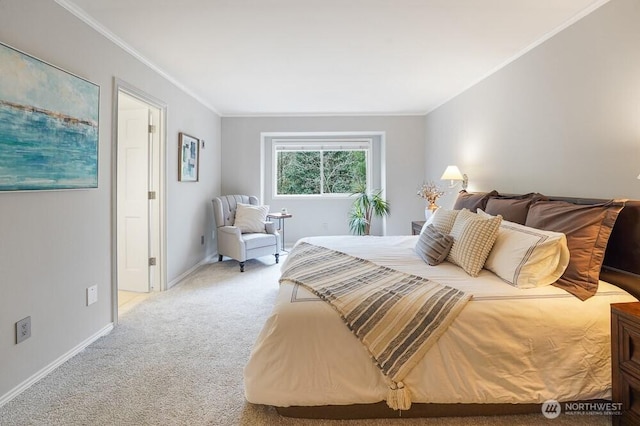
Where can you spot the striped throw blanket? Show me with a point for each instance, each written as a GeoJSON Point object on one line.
{"type": "Point", "coordinates": [396, 316]}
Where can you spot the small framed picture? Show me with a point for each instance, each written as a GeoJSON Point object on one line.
{"type": "Point", "coordinates": [188, 158]}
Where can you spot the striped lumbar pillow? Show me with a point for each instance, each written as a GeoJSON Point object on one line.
{"type": "Point", "coordinates": [433, 246]}
{"type": "Point", "coordinates": [473, 238]}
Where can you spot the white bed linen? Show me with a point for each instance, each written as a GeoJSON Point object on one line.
{"type": "Point", "coordinates": [508, 345]}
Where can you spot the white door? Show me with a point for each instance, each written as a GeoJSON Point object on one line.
{"type": "Point", "coordinates": [154, 203]}
{"type": "Point", "coordinates": [133, 195]}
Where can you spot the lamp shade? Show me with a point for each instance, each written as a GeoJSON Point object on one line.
{"type": "Point", "coordinates": [452, 173]}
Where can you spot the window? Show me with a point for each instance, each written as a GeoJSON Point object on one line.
{"type": "Point", "coordinates": [320, 168]}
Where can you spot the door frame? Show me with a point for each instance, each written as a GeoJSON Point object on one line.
{"type": "Point", "coordinates": [120, 86]}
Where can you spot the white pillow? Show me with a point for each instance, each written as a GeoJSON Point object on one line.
{"type": "Point", "coordinates": [473, 237]}
{"type": "Point", "coordinates": [527, 257]}
{"type": "Point", "coordinates": [250, 218]}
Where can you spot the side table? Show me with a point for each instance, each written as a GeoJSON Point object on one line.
{"type": "Point", "coordinates": [625, 368]}
{"type": "Point", "coordinates": [280, 217]}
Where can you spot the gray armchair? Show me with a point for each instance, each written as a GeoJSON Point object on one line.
{"type": "Point", "coordinates": [236, 245]}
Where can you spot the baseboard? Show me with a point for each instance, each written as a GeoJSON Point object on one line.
{"type": "Point", "coordinates": [189, 271]}
{"type": "Point", "coordinates": [55, 364]}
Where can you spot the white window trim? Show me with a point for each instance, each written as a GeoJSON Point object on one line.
{"type": "Point", "coordinates": [265, 137]}
{"type": "Point", "coordinates": [300, 144]}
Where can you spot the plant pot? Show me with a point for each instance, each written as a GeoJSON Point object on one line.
{"type": "Point", "coordinates": [429, 210]}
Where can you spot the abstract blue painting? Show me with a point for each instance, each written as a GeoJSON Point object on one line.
{"type": "Point", "coordinates": [48, 126]}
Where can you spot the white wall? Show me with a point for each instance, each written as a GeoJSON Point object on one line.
{"type": "Point", "coordinates": [564, 119]}
{"type": "Point", "coordinates": [404, 169]}
{"type": "Point", "coordinates": [55, 244]}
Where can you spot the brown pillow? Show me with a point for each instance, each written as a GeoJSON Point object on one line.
{"type": "Point", "coordinates": [512, 208]}
{"type": "Point", "coordinates": [473, 200]}
{"type": "Point", "coordinates": [587, 228]}
{"type": "Point", "coordinates": [433, 246]}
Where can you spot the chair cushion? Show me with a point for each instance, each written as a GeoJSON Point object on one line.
{"type": "Point", "coordinates": [250, 218]}
{"type": "Point", "coordinates": [253, 241]}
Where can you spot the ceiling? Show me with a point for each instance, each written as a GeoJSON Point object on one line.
{"type": "Point", "coordinates": [327, 57]}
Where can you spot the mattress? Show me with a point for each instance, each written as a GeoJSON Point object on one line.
{"type": "Point", "coordinates": [508, 345]}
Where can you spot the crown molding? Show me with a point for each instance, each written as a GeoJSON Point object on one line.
{"type": "Point", "coordinates": [87, 19]}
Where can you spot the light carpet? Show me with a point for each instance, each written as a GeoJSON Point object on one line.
{"type": "Point", "coordinates": [177, 359]}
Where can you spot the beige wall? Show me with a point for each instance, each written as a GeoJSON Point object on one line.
{"type": "Point", "coordinates": [564, 119]}
{"type": "Point", "coordinates": [55, 244]}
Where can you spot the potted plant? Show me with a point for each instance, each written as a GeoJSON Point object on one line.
{"type": "Point", "coordinates": [365, 207]}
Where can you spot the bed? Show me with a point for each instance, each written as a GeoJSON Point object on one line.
{"type": "Point", "coordinates": [508, 350]}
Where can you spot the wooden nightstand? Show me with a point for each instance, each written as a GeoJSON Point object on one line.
{"type": "Point", "coordinates": [625, 361]}
{"type": "Point", "coordinates": [416, 227]}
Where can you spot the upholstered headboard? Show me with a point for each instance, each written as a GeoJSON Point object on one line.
{"type": "Point", "coordinates": [622, 259]}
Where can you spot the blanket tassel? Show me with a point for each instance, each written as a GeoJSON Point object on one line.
{"type": "Point", "coordinates": [399, 397]}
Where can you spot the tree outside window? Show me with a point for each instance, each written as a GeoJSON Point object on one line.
{"type": "Point", "coordinates": [320, 172]}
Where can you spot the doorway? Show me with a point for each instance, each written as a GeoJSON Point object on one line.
{"type": "Point", "coordinates": [139, 197]}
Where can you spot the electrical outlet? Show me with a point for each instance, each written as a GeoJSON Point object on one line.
{"type": "Point", "coordinates": [23, 329]}
{"type": "Point", "coordinates": [202, 240]}
{"type": "Point", "coordinates": [92, 295]}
